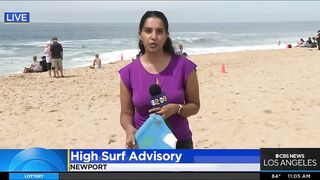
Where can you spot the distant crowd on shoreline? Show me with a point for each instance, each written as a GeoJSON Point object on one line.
{"type": "Point", "coordinates": [52, 60]}
{"type": "Point", "coordinates": [312, 42]}
{"type": "Point", "coordinates": [53, 56]}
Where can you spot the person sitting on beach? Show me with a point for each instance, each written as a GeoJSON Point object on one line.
{"type": "Point", "coordinates": [96, 63]}
{"type": "Point", "coordinates": [34, 67]}
{"type": "Point", "coordinates": [300, 43]}
{"type": "Point", "coordinates": [43, 63]}
{"type": "Point", "coordinates": [179, 50]}
{"type": "Point", "coordinates": [309, 43]}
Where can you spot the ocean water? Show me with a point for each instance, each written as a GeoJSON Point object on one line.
{"type": "Point", "coordinates": [19, 42]}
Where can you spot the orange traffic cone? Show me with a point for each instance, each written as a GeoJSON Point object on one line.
{"type": "Point", "coordinates": [222, 69]}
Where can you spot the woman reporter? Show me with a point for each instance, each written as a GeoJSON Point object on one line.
{"type": "Point", "coordinates": [157, 63]}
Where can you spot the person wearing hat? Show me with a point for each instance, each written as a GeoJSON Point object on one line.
{"type": "Point", "coordinates": [57, 56]}
{"type": "Point", "coordinates": [43, 63]}
{"type": "Point", "coordinates": [318, 39]}
{"type": "Point", "coordinates": [47, 54]}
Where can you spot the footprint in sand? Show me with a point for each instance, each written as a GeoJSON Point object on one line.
{"type": "Point", "coordinates": [241, 122]}
{"type": "Point", "coordinates": [74, 141]}
{"type": "Point", "coordinates": [28, 108]}
{"type": "Point", "coordinates": [206, 146]}
{"type": "Point", "coordinates": [267, 111]}
{"type": "Point", "coordinates": [267, 124]}
{"type": "Point", "coordinates": [103, 95]}
{"type": "Point", "coordinates": [279, 145]}
{"type": "Point", "coordinates": [112, 139]}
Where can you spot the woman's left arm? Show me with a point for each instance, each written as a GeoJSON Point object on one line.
{"type": "Point", "coordinates": [192, 104]}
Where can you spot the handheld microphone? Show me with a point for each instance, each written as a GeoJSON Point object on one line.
{"type": "Point", "coordinates": [157, 99]}
{"type": "Point", "coordinates": [156, 132]}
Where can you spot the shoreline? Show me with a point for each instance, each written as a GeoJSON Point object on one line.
{"type": "Point", "coordinates": [266, 98]}
{"type": "Point", "coordinates": [103, 56]}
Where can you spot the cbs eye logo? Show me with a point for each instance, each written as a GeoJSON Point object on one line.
{"type": "Point", "coordinates": [37, 159]}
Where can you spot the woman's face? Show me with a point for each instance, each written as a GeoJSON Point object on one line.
{"type": "Point", "coordinates": [153, 35]}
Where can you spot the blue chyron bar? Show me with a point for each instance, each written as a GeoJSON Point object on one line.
{"type": "Point", "coordinates": [156, 160]}
{"type": "Point", "coordinates": [208, 164]}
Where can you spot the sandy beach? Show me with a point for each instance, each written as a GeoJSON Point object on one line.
{"type": "Point", "coordinates": [268, 98]}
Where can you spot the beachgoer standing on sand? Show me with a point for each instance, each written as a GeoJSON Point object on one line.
{"type": "Point", "coordinates": [57, 56]}
{"type": "Point", "coordinates": [318, 39]}
{"type": "Point", "coordinates": [47, 53]}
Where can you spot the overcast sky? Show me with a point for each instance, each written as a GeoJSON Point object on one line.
{"type": "Point", "coordinates": [177, 11]}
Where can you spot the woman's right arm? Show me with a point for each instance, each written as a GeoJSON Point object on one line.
{"type": "Point", "coordinates": [126, 115]}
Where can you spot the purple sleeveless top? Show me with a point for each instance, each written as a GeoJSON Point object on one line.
{"type": "Point", "coordinates": [172, 81]}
